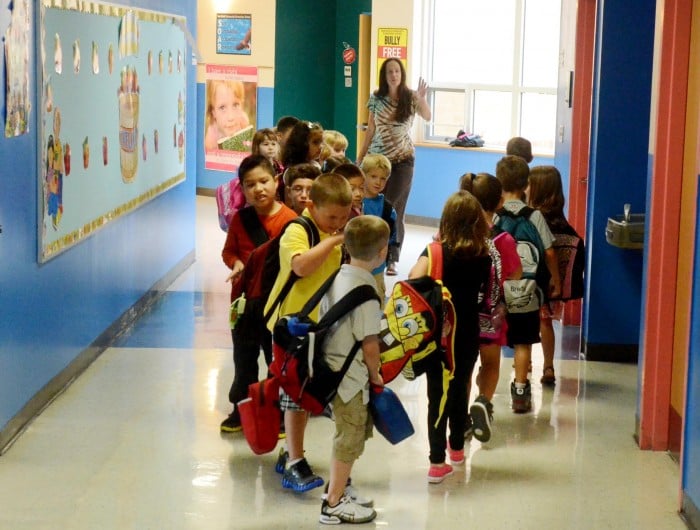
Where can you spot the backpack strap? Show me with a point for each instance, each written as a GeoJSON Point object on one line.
{"type": "Point", "coordinates": [253, 226]}
{"type": "Point", "coordinates": [435, 260]}
{"type": "Point", "coordinates": [314, 238]}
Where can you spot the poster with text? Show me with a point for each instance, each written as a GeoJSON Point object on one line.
{"type": "Point", "coordinates": [233, 33]}
{"type": "Point", "coordinates": [230, 115]}
{"type": "Point", "coordinates": [392, 43]}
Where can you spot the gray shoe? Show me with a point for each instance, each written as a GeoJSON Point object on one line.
{"type": "Point", "coordinates": [346, 511]}
{"type": "Point", "coordinates": [482, 416]}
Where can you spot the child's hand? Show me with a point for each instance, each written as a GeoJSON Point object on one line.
{"type": "Point", "coordinates": [235, 271]}
{"type": "Point", "coordinates": [376, 380]}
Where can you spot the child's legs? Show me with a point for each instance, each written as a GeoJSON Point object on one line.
{"type": "Point", "coordinates": [490, 368]}
{"type": "Point", "coordinates": [437, 432]}
{"type": "Point", "coordinates": [294, 426]}
{"type": "Point", "coordinates": [353, 425]}
{"type": "Point", "coordinates": [548, 341]}
{"type": "Point", "coordinates": [467, 351]}
{"type": "Point", "coordinates": [523, 354]}
{"type": "Point", "coordinates": [523, 332]}
{"type": "Point", "coordinates": [246, 349]}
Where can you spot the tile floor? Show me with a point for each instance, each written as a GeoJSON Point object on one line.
{"type": "Point", "coordinates": [134, 442]}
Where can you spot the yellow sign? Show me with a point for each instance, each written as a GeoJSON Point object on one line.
{"type": "Point", "coordinates": [392, 43]}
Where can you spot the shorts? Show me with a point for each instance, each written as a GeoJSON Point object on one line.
{"type": "Point", "coordinates": [523, 328]}
{"type": "Point", "coordinates": [353, 425]}
{"type": "Point", "coordinates": [287, 403]}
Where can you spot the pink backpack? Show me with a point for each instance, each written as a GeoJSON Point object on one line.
{"type": "Point", "coordinates": [229, 199]}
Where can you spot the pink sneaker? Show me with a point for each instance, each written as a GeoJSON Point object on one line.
{"type": "Point", "coordinates": [438, 472]}
{"type": "Point", "coordinates": [456, 456]}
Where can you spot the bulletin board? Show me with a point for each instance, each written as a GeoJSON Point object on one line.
{"type": "Point", "coordinates": [112, 115]}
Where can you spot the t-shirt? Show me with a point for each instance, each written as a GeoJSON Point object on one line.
{"type": "Point", "coordinates": [375, 206]}
{"type": "Point", "coordinates": [391, 138]}
{"type": "Point", "coordinates": [358, 324]}
{"type": "Point", "coordinates": [293, 242]}
{"type": "Point", "coordinates": [238, 244]}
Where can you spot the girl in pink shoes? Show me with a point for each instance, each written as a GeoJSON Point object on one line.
{"type": "Point", "coordinates": [466, 267]}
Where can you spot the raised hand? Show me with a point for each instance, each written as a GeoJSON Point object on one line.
{"type": "Point", "coordinates": [422, 88]}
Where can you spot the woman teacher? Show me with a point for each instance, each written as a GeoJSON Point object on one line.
{"type": "Point", "coordinates": [391, 110]}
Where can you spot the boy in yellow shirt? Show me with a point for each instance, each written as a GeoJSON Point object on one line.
{"type": "Point", "coordinates": [331, 199]}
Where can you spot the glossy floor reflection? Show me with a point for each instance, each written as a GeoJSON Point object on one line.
{"type": "Point", "coordinates": [134, 442]}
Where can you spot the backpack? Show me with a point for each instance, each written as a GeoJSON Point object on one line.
{"type": "Point", "coordinates": [229, 199]}
{"type": "Point", "coordinates": [571, 258]}
{"type": "Point", "coordinates": [260, 415]}
{"type": "Point", "coordinates": [297, 343]}
{"type": "Point", "coordinates": [417, 329]}
{"type": "Point", "coordinates": [526, 294]}
{"type": "Point", "coordinates": [263, 264]}
{"type": "Point", "coordinates": [491, 309]}
{"type": "Point", "coordinates": [467, 140]}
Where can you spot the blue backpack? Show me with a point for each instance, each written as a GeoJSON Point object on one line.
{"type": "Point", "coordinates": [526, 294]}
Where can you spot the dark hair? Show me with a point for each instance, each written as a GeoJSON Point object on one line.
{"type": "Point", "coordinates": [251, 162]}
{"type": "Point", "coordinates": [546, 193]}
{"type": "Point", "coordinates": [521, 147]}
{"type": "Point", "coordinates": [300, 171]}
{"type": "Point", "coordinates": [404, 108]}
{"type": "Point", "coordinates": [285, 123]}
{"type": "Point", "coordinates": [296, 149]}
{"type": "Point", "coordinates": [485, 187]}
{"type": "Point", "coordinates": [332, 162]}
{"type": "Point", "coordinates": [512, 171]}
{"type": "Point", "coordinates": [348, 171]}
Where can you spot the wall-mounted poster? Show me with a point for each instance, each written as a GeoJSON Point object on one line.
{"type": "Point", "coordinates": [233, 33]}
{"type": "Point", "coordinates": [392, 43]}
{"type": "Point", "coordinates": [113, 83]}
{"type": "Point", "coordinates": [17, 71]}
{"type": "Point", "coordinates": [229, 121]}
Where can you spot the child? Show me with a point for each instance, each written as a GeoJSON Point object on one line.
{"type": "Point", "coordinates": [284, 127]}
{"type": "Point", "coordinates": [377, 169]}
{"type": "Point", "coordinates": [334, 144]}
{"type": "Point", "coordinates": [258, 182]}
{"type": "Point", "coordinates": [356, 179]}
{"type": "Point", "coordinates": [521, 147]}
{"type": "Point", "coordinates": [225, 115]}
{"type": "Point", "coordinates": [329, 210]}
{"type": "Point", "coordinates": [546, 194]}
{"type": "Point", "coordinates": [297, 182]}
{"type": "Point", "coordinates": [524, 328]}
{"type": "Point", "coordinates": [332, 162]}
{"type": "Point", "coordinates": [487, 190]}
{"type": "Point", "coordinates": [303, 144]}
{"type": "Point", "coordinates": [366, 239]}
{"type": "Point", "coordinates": [465, 270]}
{"type": "Point", "coordinates": [266, 143]}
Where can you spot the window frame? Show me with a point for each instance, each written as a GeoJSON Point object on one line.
{"type": "Point", "coordinates": [515, 88]}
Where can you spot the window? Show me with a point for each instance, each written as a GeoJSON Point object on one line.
{"type": "Point", "coordinates": [492, 70]}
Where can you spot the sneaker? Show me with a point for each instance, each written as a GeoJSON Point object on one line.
{"type": "Point", "coordinates": [548, 378]}
{"type": "Point", "coordinates": [355, 496]}
{"type": "Point", "coordinates": [281, 461]}
{"type": "Point", "coordinates": [482, 416]}
{"type": "Point", "coordinates": [456, 456]}
{"type": "Point", "coordinates": [300, 478]}
{"type": "Point", "coordinates": [521, 398]}
{"type": "Point", "coordinates": [438, 472]}
{"type": "Point", "coordinates": [232, 423]}
{"type": "Point", "coordinates": [346, 511]}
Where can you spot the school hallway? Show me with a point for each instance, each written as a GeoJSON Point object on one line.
{"type": "Point", "coordinates": [134, 442]}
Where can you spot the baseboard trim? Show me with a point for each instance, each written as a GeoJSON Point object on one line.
{"type": "Point", "coordinates": [422, 221]}
{"type": "Point", "coordinates": [689, 512]}
{"type": "Point", "coordinates": [614, 353]}
{"type": "Point", "coordinates": [207, 192]}
{"type": "Point", "coordinates": [61, 381]}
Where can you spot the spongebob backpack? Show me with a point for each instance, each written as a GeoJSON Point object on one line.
{"type": "Point", "coordinates": [418, 328]}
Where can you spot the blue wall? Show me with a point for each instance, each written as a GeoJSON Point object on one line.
{"type": "Point", "coordinates": [50, 313]}
{"type": "Point", "coordinates": [618, 171]}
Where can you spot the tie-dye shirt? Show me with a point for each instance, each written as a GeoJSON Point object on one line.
{"type": "Point", "coordinates": [391, 138]}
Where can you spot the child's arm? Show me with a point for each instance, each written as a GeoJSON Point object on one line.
{"type": "Point", "coordinates": [307, 262]}
{"type": "Point", "coordinates": [550, 256]}
{"type": "Point", "coordinates": [229, 254]}
{"type": "Point", "coordinates": [420, 268]}
{"type": "Point", "coordinates": [370, 354]}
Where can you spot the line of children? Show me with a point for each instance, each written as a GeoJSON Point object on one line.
{"type": "Point", "coordinates": [524, 328]}
{"type": "Point", "coordinates": [257, 178]}
{"type": "Point", "coordinates": [366, 239]}
{"type": "Point", "coordinates": [488, 191]}
{"type": "Point", "coordinates": [466, 267]}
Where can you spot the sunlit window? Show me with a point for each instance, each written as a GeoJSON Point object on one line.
{"type": "Point", "coordinates": [493, 69]}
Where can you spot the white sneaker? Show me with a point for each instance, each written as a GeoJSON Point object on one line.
{"type": "Point", "coordinates": [354, 494]}
{"type": "Point", "coordinates": [346, 511]}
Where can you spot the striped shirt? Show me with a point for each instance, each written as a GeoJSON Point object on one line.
{"type": "Point", "coordinates": [391, 138]}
